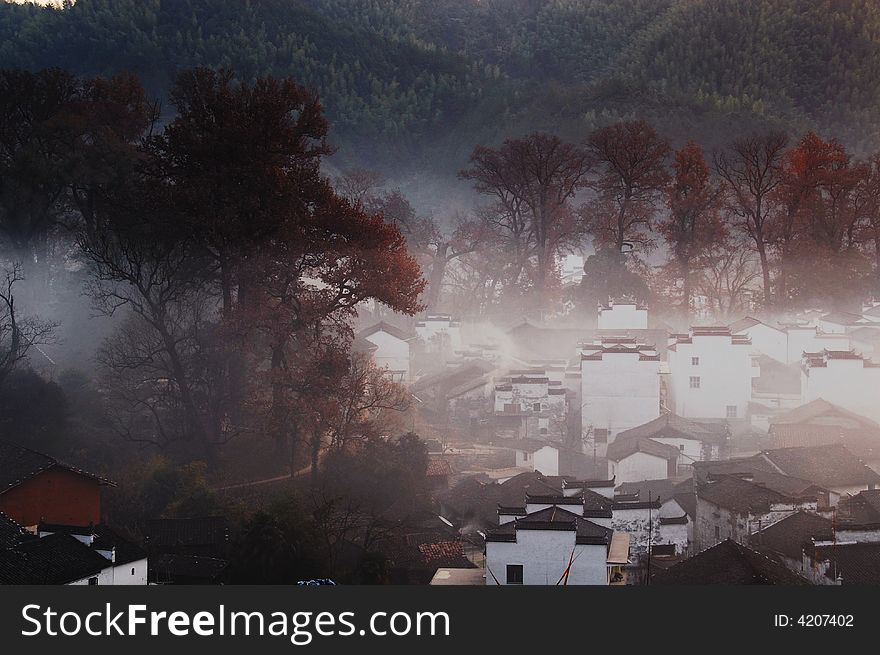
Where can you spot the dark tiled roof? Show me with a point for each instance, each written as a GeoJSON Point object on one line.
{"type": "Point", "coordinates": [619, 450]}
{"type": "Point", "coordinates": [55, 559]}
{"type": "Point", "coordinates": [829, 466]}
{"type": "Point", "coordinates": [382, 326]}
{"type": "Point", "coordinates": [862, 442]}
{"type": "Point", "coordinates": [672, 425]}
{"type": "Point", "coordinates": [821, 408]}
{"type": "Point", "coordinates": [201, 531]}
{"type": "Point", "coordinates": [728, 563]}
{"type": "Point", "coordinates": [860, 511]}
{"type": "Point", "coordinates": [11, 533]}
{"type": "Point", "coordinates": [688, 502]}
{"type": "Point", "coordinates": [165, 568]}
{"type": "Point", "coordinates": [855, 564]}
{"type": "Point", "coordinates": [743, 324]}
{"type": "Point", "coordinates": [661, 490]}
{"type": "Point", "coordinates": [789, 536]}
{"type": "Point", "coordinates": [738, 466]}
{"type": "Point", "coordinates": [104, 538]}
{"type": "Point", "coordinates": [18, 464]}
{"type": "Point", "coordinates": [741, 496]}
{"type": "Point", "coordinates": [553, 518]}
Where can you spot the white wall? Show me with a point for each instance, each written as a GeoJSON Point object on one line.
{"type": "Point", "coordinates": [544, 555]}
{"type": "Point", "coordinates": [623, 317]}
{"type": "Point", "coordinates": [768, 340]}
{"type": "Point", "coordinates": [618, 392]}
{"type": "Point", "coordinates": [546, 460]}
{"type": "Point", "coordinates": [391, 353]}
{"type": "Point", "coordinates": [725, 372]}
{"type": "Point", "coordinates": [847, 383]}
{"type": "Point", "coordinates": [638, 467]}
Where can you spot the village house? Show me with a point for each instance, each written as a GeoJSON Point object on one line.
{"type": "Point", "coordinates": [392, 350]}
{"type": "Point", "coordinates": [728, 563]}
{"type": "Point", "coordinates": [677, 510]}
{"type": "Point", "coordinates": [641, 458]}
{"type": "Point", "coordinates": [620, 389]}
{"type": "Point", "coordinates": [840, 322]}
{"type": "Point", "coordinates": [553, 546]}
{"type": "Point", "coordinates": [831, 467]}
{"type": "Point", "coordinates": [529, 404]}
{"type": "Point", "coordinates": [696, 441]}
{"type": "Point", "coordinates": [858, 517]}
{"type": "Point", "coordinates": [38, 488]}
{"type": "Point", "coordinates": [765, 339]}
{"type": "Point", "coordinates": [807, 338]}
{"type": "Point", "coordinates": [432, 394]}
{"type": "Point", "coordinates": [729, 507]}
{"type": "Point", "coordinates": [710, 374]}
{"type": "Point", "coordinates": [67, 555]}
{"type": "Point", "coordinates": [843, 378]}
{"type": "Point", "coordinates": [551, 459]}
{"type": "Point", "coordinates": [820, 423]}
{"type": "Point", "coordinates": [776, 390]}
{"type": "Point", "coordinates": [439, 334]}
{"type": "Point", "coordinates": [623, 315]}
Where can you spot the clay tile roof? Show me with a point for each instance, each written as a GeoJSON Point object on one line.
{"type": "Point", "coordinates": [18, 464]}
{"type": "Point", "coordinates": [728, 563]}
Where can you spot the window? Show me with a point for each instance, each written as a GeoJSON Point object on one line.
{"type": "Point", "coordinates": [717, 533]}
{"type": "Point", "coordinates": [536, 407]}
{"type": "Point", "coordinates": [681, 447]}
{"type": "Point", "coordinates": [731, 411]}
{"type": "Point", "coordinates": [543, 430]}
{"type": "Point", "coordinates": [93, 581]}
{"type": "Point", "coordinates": [601, 435]}
{"type": "Point", "coordinates": [695, 382]}
{"type": "Point", "coordinates": [695, 361]}
{"type": "Point", "coordinates": [526, 456]}
{"type": "Point", "coordinates": [132, 571]}
{"type": "Point", "coordinates": [514, 574]}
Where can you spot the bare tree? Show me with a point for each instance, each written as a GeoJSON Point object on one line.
{"type": "Point", "coordinates": [18, 334]}
{"type": "Point", "coordinates": [631, 165]}
{"type": "Point", "coordinates": [728, 271]}
{"type": "Point", "coordinates": [752, 169]}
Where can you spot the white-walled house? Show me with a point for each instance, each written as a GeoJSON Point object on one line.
{"type": "Point", "coordinates": [632, 460]}
{"type": "Point", "coordinates": [766, 339]}
{"type": "Point", "coordinates": [844, 378]}
{"type": "Point", "coordinates": [439, 333]}
{"type": "Point", "coordinates": [729, 507]}
{"type": "Point", "coordinates": [528, 404]}
{"type": "Point", "coordinates": [549, 546]}
{"type": "Point", "coordinates": [392, 350]}
{"type": "Point", "coordinates": [710, 374]}
{"type": "Point", "coordinates": [620, 389]}
{"type": "Point", "coordinates": [808, 338]}
{"type": "Point", "coordinates": [623, 315]}
{"type": "Point", "coordinates": [694, 441]}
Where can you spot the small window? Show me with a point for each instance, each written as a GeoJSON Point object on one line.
{"type": "Point", "coordinates": [695, 382]}
{"type": "Point", "coordinates": [93, 581]}
{"type": "Point", "coordinates": [543, 430]}
{"type": "Point", "coordinates": [132, 571]}
{"type": "Point", "coordinates": [601, 435]}
{"type": "Point", "coordinates": [717, 533]}
{"type": "Point", "coordinates": [681, 447]}
{"type": "Point", "coordinates": [731, 411]}
{"type": "Point", "coordinates": [695, 361]}
{"type": "Point", "coordinates": [514, 574]}
{"type": "Point", "coordinates": [526, 456]}
{"type": "Point", "coordinates": [536, 407]}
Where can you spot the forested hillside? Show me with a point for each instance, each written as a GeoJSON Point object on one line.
{"type": "Point", "coordinates": [435, 78]}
